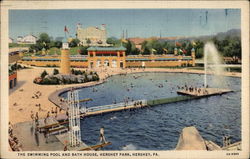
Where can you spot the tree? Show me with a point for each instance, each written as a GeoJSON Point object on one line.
{"type": "Point", "coordinates": [74, 42]}
{"type": "Point", "coordinates": [88, 41]}
{"type": "Point", "coordinates": [58, 44]}
{"type": "Point", "coordinates": [44, 40]}
{"type": "Point", "coordinates": [83, 50]}
{"type": "Point", "coordinates": [128, 46]}
{"type": "Point", "coordinates": [199, 47]}
{"type": "Point", "coordinates": [55, 72]}
{"type": "Point", "coordinates": [113, 41]}
{"type": "Point", "coordinates": [44, 73]}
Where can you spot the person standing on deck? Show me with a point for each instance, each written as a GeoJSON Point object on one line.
{"type": "Point", "coordinates": [102, 138]}
{"type": "Point", "coordinates": [36, 119]}
{"type": "Point", "coordinates": [32, 122]}
{"type": "Point", "coordinates": [36, 135]}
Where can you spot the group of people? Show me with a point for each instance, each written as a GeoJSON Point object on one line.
{"type": "Point", "coordinates": [226, 140]}
{"type": "Point", "coordinates": [160, 85]}
{"type": "Point", "coordinates": [13, 141]}
{"type": "Point", "coordinates": [138, 103]}
{"type": "Point", "coordinates": [196, 90]}
{"type": "Point", "coordinates": [37, 95]}
{"type": "Point", "coordinates": [39, 106]}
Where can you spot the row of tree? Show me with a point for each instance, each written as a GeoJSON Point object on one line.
{"type": "Point", "coordinates": [159, 47]}
{"type": "Point", "coordinates": [44, 41]}
{"type": "Point", "coordinates": [229, 46]}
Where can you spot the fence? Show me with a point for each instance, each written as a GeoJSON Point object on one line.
{"type": "Point", "coordinates": [113, 106]}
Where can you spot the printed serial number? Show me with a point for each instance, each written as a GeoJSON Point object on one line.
{"type": "Point", "coordinates": [232, 154]}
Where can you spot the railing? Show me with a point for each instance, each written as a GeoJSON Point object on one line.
{"type": "Point", "coordinates": [113, 106]}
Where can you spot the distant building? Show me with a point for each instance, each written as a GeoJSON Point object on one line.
{"type": "Point", "coordinates": [29, 39]}
{"type": "Point", "coordinates": [114, 57]}
{"type": "Point", "coordinates": [11, 40]}
{"type": "Point", "coordinates": [19, 39]}
{"type": "Point", "coordinates": [138, 42]}
{"type": "Point", "coordinates": [92, 36]}
{"type": "Point", "coordinates": [106, 57]}
{"type": "Point", "coordinates": [65, 58]}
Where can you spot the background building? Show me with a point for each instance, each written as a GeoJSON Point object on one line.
{"type": "Point", "coordinates": [28, 39]}
{"type": "Point", "coordinates": [11, 40]}
{"type": "Point", "coordinates": [106, 57]}
{"type": "Point", "coordinates": [92, 36]}
{"type": "Point", "coordinates": [113, 57]}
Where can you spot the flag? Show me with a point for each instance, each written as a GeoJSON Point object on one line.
{"type": "Point", "coordinates": [124, 40]}
{"type": "Point", "coordinates": [66, 29]}
{"type": "Point", "coordinates": [184, 51]}
{"type": "Point", "coordinates": [165, 50]}
{"type": "Point", "coordinates": [193, 43]}
{"type": "Point", "coordinates": [180, 51]}
{"type": "Point", "coordinates": [177, 44]}
{"type": "Point", "coordinates": [103, 26]}
{"type": "Point", "coordinates": [153, 50]}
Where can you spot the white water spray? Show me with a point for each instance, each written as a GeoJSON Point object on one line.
{"type": "Point", "coordinates": [213, 61]}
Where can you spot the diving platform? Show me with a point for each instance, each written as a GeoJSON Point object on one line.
{"type": "Point", "coordinates": [56, 140]}
{"type": "Point", "coordinates": [113, 108]}
{"type": "Point", "coordinates": [204, 92]}
{"type": "Point", "coordinates": [63, 138]}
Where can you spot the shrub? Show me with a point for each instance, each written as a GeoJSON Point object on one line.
{"type": "Point", "coordinates": [55, 72]}
{"type": "Point", "coordinates": [44, 73]}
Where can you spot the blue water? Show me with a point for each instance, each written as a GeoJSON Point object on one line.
{"type": "Point", "coordinates": [159, 127]}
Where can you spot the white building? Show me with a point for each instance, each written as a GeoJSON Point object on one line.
{"type": "Point", "coordinates": [19, 39]}
{"type": "Point", "coordinates": [29, 39]}
{"type": "Point", "coordinates": [11, 40]}
{"type": "Point", "coordinates": [92, 36]}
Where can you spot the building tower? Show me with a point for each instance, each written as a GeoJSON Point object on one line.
{"type": "Point", "coordinates": [74, 118]}
{"type": "Point", "coordinates": [175, 51]}
{"type": "Point", "coordinates": [65, 59]}
{"type": "Point", "coordinates": [43, 51]}
{"type": "Point", "coordinates": [193, 56]}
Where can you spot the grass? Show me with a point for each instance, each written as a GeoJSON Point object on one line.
{"type": "Point", "coordinates": [11, 45]}
{"type": "Point", "coordinates": [54, 50]}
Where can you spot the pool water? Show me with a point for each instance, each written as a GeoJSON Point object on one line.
{"type": "Point", "coordinates": [159, 127]}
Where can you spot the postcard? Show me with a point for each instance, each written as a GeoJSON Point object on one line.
{"type": "Point", "coordinates": [127, 79]}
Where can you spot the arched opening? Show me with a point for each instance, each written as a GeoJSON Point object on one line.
{"type": "Point", "coordinates": [114, 63]}
{"type": "Point", "coordinates": [121, 64]}
{"type": "Point", "coordinates": [91, 64]}
{"type": "Point", "coordinates": [106, 63]}
{"type": "Point", "coordinates": [98, 63]}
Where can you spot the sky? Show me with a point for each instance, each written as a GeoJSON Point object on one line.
{"type": "Point", "coordinates": [138, 22]}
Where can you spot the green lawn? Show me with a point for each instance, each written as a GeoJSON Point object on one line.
{"type": "Point", "coordinates": [74, 50]}
{"type": "Point", "coordinates": [18, 45]}
{"type": "Point", "coordinates": [54, 50]}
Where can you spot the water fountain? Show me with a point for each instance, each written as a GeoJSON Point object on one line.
{"type": "Point", "coordinates": [213, 61]}
{"type": "Point", "coordinates": [212, 65]}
